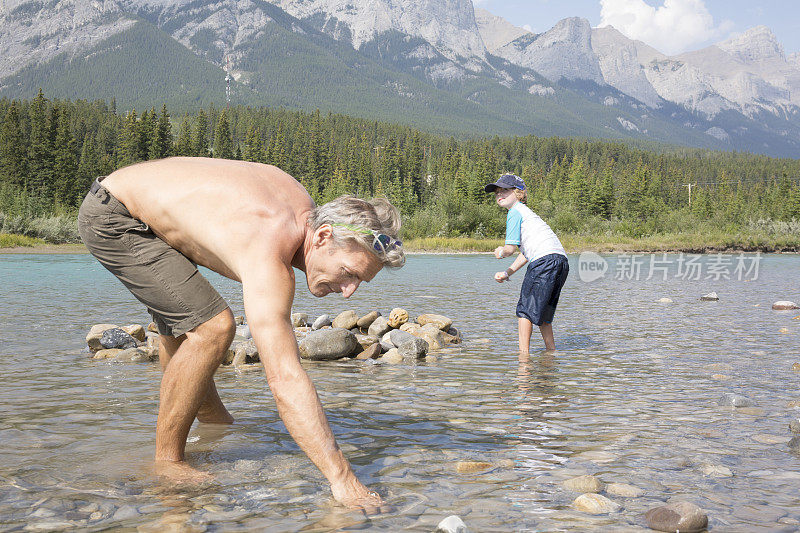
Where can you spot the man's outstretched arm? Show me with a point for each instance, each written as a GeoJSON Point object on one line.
{"type": "Point", "coordinates": [268, 295]}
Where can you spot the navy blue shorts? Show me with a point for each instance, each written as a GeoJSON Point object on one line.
{"type": "Point", "coordinates": [541, 288]}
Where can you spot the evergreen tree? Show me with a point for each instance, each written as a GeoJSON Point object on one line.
{"type": "Point", "coordinates": [200, 136]}
{"type": "Point", "coordinates": [129, 140]}
{"type": "Point", "coordinates": [223, 145]}
{"type": "Point", "coordinates": [88, 169]}
{"type": "Point", "coordinates": [161, 139]}
{"type": "Point", "coordinates": [13, 169]}
{"type": "Point", "coordinates": [40, 156]}
{"type": "Point", "coordinates": [254, 148]}
{"type": "Point", "coordinates": [183, 146]}
{"type": "Point", "coordinates": [65, 168]}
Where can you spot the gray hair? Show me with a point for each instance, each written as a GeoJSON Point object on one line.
{"type": "Point", "coordinates": [376, 215]}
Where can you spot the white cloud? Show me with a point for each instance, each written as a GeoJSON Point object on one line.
{"type": "Point", "coordinates": [674, 27]}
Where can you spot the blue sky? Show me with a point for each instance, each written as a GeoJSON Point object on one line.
{"type": "Point", "coordinates": [671, 26]}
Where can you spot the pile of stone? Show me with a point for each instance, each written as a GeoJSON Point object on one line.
{"type": "Point", "coordinates": [122, 343]}
{"type": "Point", "coordinates": [389, 339]}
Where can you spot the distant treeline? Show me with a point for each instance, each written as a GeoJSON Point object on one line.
{"type": "Point", "coordinates": [51, 150]}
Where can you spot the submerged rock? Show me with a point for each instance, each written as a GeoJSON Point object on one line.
{"type": "Point", "coordinates": [131, 355]}
{"type": "Point", "coordinates": [794, 426]}
{"type": "Point", "coordinates": [794, 445]}
{"type": "Point", "coordinates": [452, 524]}
{"type": "Point", "coordinates": [392, 357]}
{"type": "Point", "coordinates": [680, 516]}
{"type": "Point", "coordinates": [730, 399]}
{"type": "Point", "coordinates": [665, 300]}
{"type": "Point", "coordinates": [328, 344]}
{"type": "Point", "coordinates": [106, 354]}
{"type": "Point", "coordinates": [470, 467]}
{"type": "Point", "coordinates": [117, 338]}
{"type": "Point", "coordinates": [595, 504]}
{"type": "Point", "coordinates": [710, 297]}
{"type": "Point", "coordinates": [584, 484]}
{"type": "Point", "coordinates": [624, 490]}
{"type": "Point", "coordinates": [784, 305]}
{"type": "Point", "coordinates": [440, 321]}
{"type": "Point", "coordinates": [346, 320]}
{"type": "Point", "coordinates": [321, 322]}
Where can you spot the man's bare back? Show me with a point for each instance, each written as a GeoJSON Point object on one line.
{"type": "Point", "coordinates": [214, 210]}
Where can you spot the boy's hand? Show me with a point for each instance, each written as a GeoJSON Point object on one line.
{"type": "Point", "coordinates": [498, 252]}
{"type": "Point", "coordinates": [500, 277]}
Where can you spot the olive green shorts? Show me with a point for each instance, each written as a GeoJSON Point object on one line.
{"type": "Point", "coordinates": [178, 297]}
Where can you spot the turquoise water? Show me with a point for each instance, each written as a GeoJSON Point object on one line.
{"type": "Point", "coordinates": [629, 397]}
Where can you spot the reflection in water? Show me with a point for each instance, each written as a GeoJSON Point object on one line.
{"type": "Point", "coordinates": [628, 397]}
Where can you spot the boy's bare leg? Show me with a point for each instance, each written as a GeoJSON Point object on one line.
{"type": "Point", "coordinates": [186, 382]}
{"type": "Point", "coordinates": [212, 411]}
{"type": "Point", "coordinates": [547, 336]}
{"type": "Point", "coordinates": [525, 330]}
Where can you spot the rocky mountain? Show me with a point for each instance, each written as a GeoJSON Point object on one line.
{"type": "Point", "coordinates": [438, 64]}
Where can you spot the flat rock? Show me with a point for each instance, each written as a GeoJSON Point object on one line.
{"type": "Point", "coordinates": [346, 320]}
{"type": "Point", "coordinates": [398, 317]}
{"type": "Point", "coordinates": [624, 490]}
{"type": "Point", "coordinates": [379, 327]}
{"type": "Point", "coordinates": [710, 297]}
{"type": "Point", "coordinates": [366, 321]}
{"type": "Point", "coordinates": [664, 300]}
{"type": "Point", "coordinates": [595, 504]}
{"type": "Point", "coordinates": [784, 305]}
{"type": "Point", "coordinates": [106, 353]}
{"type": "Point", "coordinates": [680, 516]}
{"type": "Point", "coordinates": [712, 470]}
{"type": "Point", "coordinates": [440, 321]}
{"type": "Point", "coordinates": [321, 322]}
{"type": "Point", "coordinates": [415, 347]}
{"type": "Point", "coordinates": [328, 344]}
{"type": "Point", "coordinates": [730, 399]}
{"type": "Point", "coordinates": [299, 320]}
{"type": "Point", "coordinates": [372, 352]}
{"type": "Point", "coordinates": [470, 467]}
{"type": "Point", "coordinates": [452, 524]}
{"type": "Point", "coordinates": [584, 484]}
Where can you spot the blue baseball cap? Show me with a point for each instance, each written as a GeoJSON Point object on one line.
{"type": "Point", "coordinates": [506, 181]}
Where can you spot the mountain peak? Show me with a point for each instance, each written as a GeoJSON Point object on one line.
{"type": "Point", "coordinates": [754, 45]}
{"type": "Point", "coordinates": [496, 32]}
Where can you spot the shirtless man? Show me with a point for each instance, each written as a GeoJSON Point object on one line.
{"type": "Point", "coordinates": [152, 223]}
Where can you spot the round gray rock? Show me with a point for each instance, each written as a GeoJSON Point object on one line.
{"type": "Point", "coordinates": [399, 337]}
{"type": "Point", "coordinates": [321, 322]}
{"type": "Point", "coordinates": [416, 347]}
{"type": "Point", "coordinates": [379, 327]}
{"type": "Point", "coordinates": [677, 516]}
{"type": "Point", "coordinates": [730, 399]}
{"type": "Point", "coordinates": [328, 344]}
{"type": "Point", "coordinates": [117, 338]}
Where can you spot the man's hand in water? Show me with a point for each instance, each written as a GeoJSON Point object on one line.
{"type": "Point", "coordinates": [355, 495]}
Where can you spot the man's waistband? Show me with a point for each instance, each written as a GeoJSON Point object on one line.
{"type": "Point", "coordinates": [96, 185]}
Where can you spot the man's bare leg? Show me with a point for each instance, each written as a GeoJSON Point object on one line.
{"type": "Point", "coordinates": [185, 384]}
{"type": "Point", "coordinates": [212, 410]}
{"type": "Point", "coordinates": [547, 336]}
{"type": "Point", "coordinates": [525, 330]}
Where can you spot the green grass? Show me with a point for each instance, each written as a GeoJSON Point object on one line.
{"type": "Point", "coordinates": [10, 240]}
{"type": "Point", "coordinates": [668, 242]}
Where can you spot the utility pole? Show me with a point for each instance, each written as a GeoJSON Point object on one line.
{"type": "Point", "coordinates": [228, 79]}
{"type": "Point", "coordinates": [689, 186]}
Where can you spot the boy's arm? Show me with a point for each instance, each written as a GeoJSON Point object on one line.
{"type": "Point", "coordinates": [518, 263]}
{"type": "Point", "coordinates": [513, 235]}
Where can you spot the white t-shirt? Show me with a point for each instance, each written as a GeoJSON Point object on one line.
{"type": "Point", "coordinates": [534, 237]}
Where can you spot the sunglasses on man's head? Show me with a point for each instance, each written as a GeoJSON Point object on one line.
{"type": "Point", "coordinates": [381, 242]}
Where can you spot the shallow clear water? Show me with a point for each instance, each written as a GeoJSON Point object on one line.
{"type": "Point", "coordinates": [628, 397]}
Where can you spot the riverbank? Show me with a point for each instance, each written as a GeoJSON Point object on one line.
{"type": "Point", "coordinates": [684, 242]}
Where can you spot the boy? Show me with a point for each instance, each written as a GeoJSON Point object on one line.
{"type": "Point", "coordinates": [548, 267]}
